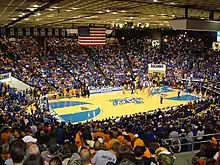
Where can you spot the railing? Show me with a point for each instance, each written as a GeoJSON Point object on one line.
{"type": "Point", "coordinates": [193, 142]}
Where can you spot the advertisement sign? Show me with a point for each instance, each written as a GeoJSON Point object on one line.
{"type": "Point", "coordinates": [6, 77]}
{"type": "Point", "coordinates": [105, 90]}
{"type": "Point", "coordinates": [156, 68]}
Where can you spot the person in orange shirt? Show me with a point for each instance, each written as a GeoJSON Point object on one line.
{"type": "Point", "coordinates": [5, 136]}
{"type": "Point", "coordinates": [131, 136]}
{"type": "Point", "coordinates": [139, 142]}
{"type": "Point", "coordinates": [149, 92]}
{"type": "Point", "coordinates": [112, 141]}
{"type": "Point", "coordinates": [64, 92]}
{"type": "Point", "coordinates": [70, 93]}
{"type": "Point", "coordinates": [98, 134]}
{"type": "Point", "coordinates": [73, 92]}
{"type": "Point", "coordinates": [127, 141]}
{"type": "Point", "coordinates": [79, 140]}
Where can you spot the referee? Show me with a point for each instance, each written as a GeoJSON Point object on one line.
{"type": "Point", "coordinates": [179, 91]}
{"type": "Point", "coordinates": [161, 98]}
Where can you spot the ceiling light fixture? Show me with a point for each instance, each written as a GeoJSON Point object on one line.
{"type": "Point", "coordinates": [173, 3]}
{"type": "Point", "coordinates": [36, 6]}
{"type": "Point", "coordinates": [121, 25]}
{"type": "Point", "coordinates": [114, 12]}
{"type": "Point", "coordinates": [108, 11]}
{"type": "Point", "coordinates": [50, 9]}
{"type": "Point", "coordinates": [26, 19]}
{"type": "Point", "coordinates": [173, 15]}
{"type": "Point", "coordinates": [31, 9]}
{"type": "Point", "coordinates": [100, 12]}
{"type": "Point", "coordinates": [74, 8]}
{"type": "Point", "coordinates": [21, 15]}
{"type": "Point", "coordinates": [13, 19]}
{"type": "Point", "coordinates": [123, 11]}
{"type": "Point", "coordinates": [68, 10]}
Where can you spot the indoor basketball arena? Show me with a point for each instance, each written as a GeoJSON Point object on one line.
{"type": "Point", "coordinates": [111, 82]}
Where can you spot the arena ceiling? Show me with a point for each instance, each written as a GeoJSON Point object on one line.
{"type": "Point", "coordinates": [70, 13]}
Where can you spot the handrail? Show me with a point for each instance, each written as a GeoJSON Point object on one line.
{"type": "Point", "coordinates": [195, 136]}
{"type": "Point", "coordinates": [168, 142]}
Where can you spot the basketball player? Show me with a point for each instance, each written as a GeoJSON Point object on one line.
{"type": "Point", "coordinates": [132, 88]}
{"type": "Point", "coordinates": [149, 92]}
{"type": "Point", "coordinates": [135, 87]}
{"type": "Point", "coordinates": [143, 87]}
{"type": "Point", "coordinates": [124, 89]}
{"type": "Point", "coordinates": [161, 98]}
{"type": "Point", "coordinates": [179, 91]}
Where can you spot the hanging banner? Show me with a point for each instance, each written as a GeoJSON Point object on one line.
{"type": "Point", "coordinates": [20, 32]}
{"type": "Point", "coordinates": [49, 32]}
{"type": "Point", "coordinates": [12, 32]}
{"type": "Point", "coordinates": [42, 31]}
{"type": "Point", "coordinates": [3, 33]}
{"type": "Point", "coordinates": [35, 32]}
{"type": "Point", "coordinates": [56, 32]}
{"type": "Point", "coordinates": [27, 32]}
{"type": "Point", "coordinates": [63, 32]}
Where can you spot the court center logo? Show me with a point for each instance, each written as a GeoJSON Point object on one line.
{"type": "Point", "coordinates": [128, 100]}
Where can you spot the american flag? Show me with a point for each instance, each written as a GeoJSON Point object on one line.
{"type": "Point", "coordinates": [91, 36]}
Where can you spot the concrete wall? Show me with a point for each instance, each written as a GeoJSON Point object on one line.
{"type": "Point", "coordinates": [18, 84]}
{"type": "Point", "coordinates": [184, 158]}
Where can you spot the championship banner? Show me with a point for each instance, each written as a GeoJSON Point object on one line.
{"type": "Point", "coordinates": [35, 32]}
{"type": "Point", "coordinates": [49, 32]}
{"type": "Point", "coordinates": [27, 31]}
{"type": "Point", "coordinates": [3, 33]}
{"type": "Point", "coordinates": [42, 31]}
{"type": "Point", "coordinates": [20, 32]}
{"type": "Point", "coordinates": [63, 32]}
{"type": "Point", "coordinates": [12, 32]}
{"type": "Point", "coordinates": [56, 32]}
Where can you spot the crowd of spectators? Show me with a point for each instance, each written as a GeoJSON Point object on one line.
{"type": "Point", "coordinates": [36, 137]}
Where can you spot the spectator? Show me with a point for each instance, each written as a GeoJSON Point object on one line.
{"type": "Point", "coordinates": [17, 152]}
{"type": "Point", "coordinates": [163, 157]}
{"type": "Point", "coordinates": [51, 153]}
{"type": "Point", "coordinates": [55, 161]}
{"type": "Point", "coordinates": [85, 155]}
{"type": "Point", "coordinates": [139, 156]}
{"type": "Point", "coordinates": [103, 157]}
